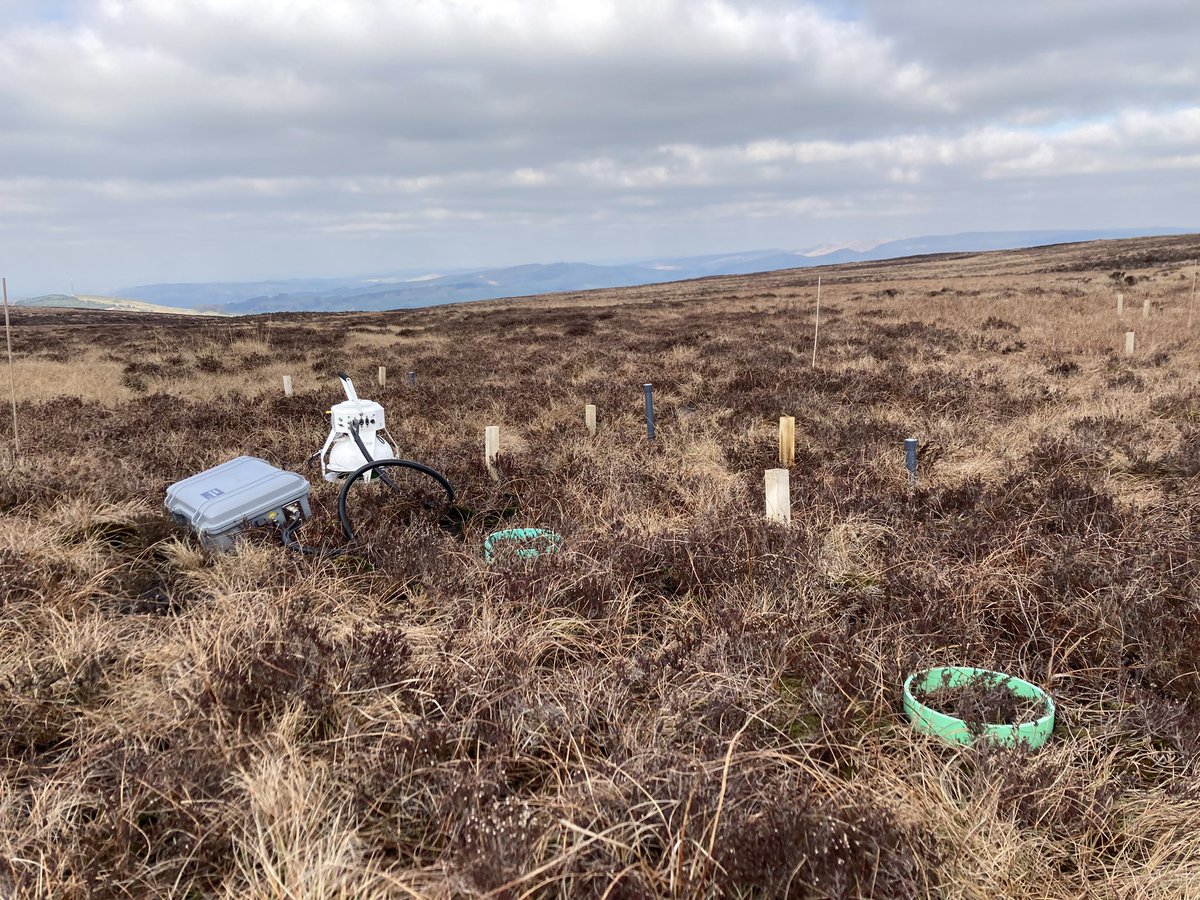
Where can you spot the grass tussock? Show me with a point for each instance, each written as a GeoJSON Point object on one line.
{"type": "Point", "coordinates": [688, 700]}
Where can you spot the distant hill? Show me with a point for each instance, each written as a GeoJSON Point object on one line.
{"type": "Point", "coordinates": [968, 242]}
{"type": "Point", "coordinates": [488, 284]}
{"type": "Point", "coordinates": [91, 301]}
{"type": "Point", "coordinates": [415, 288]}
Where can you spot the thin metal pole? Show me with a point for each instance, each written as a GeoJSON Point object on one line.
{"type": "Point", "coordinates": [12, 383]}
{"type": "Point", "coordinates": [817, 322]}
{"type": "Point", "coordinates": [1192, 302]}
{"type": "Point", "coordinates": [648, 390]}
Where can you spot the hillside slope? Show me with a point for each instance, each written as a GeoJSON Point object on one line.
{"type": "Point", "coordinates": [414, 288]}
{"type": "Point", "coordinates": [687, 700]}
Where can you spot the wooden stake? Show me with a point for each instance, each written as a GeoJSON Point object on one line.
{"type": "Point", "coordinates": [1120, 304]}
{"type": "Point", "coordinates": [12, 383]}
{"type": "Point", "coordinates": [1129, 343]}
{"type": "Point", "coordinates": [817, 322]}
{"type": "Point", "coordinates": [779, 496]}
{"type": "Point", "coordinates": [787, 441]}
{"type": "Point", "coordinates": [382, 376]}
{"type": "Point", "coordinates": [491, 447]}
{"type": "Point", "coordinates": [589, 418]}
{"type": "Point", "coordinates": [287, 385]}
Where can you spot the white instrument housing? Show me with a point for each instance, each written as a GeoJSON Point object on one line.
{"type": "Point", "coordinates": [340, 455]}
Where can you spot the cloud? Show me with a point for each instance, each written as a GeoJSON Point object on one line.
{"type": "Point", "coordinates": [363, 133]}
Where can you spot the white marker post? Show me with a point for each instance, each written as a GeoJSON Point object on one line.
{"type": "Point", "coordinates": [287, 385]}
{"type": "Point", "coordinates": [491, 447]}
{"type": "Point", "coordinates": [1120, 304]}
{"type": "Point", "coordinates": [382, 376]}
{"type": "Point", "coordinates": [779, 496]}
{"type": "Point", "coordinates": [1129, 343]}
{"type": "Point", "coordinates": [589, 418]}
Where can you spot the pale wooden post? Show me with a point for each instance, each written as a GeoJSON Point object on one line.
{"type": "Point", "coordinates": [779, 496]}
{"type": "Point", "coordinates": [1129, 343]}
{"type": "Point", "coordinates": [1146, 308]}
{"type": "Point", "coordinates": [787, 441]}
{"type": "Point", "coordinates": [491, 447]}
{"type": "Point", "coordinates": [589, 418]}
{"type": "Point", "coordinates": [287, 385]}
{"type": "Point", "coordinates": [382, 376]}
{"type": "Point", "coordinates": [1120, 304]}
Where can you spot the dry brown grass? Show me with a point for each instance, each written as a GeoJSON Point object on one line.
{"type": "Point", "coordinates": [687, 701]}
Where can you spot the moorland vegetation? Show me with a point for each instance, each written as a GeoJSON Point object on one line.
{"type": "Point", "coordinates": [686, 701]}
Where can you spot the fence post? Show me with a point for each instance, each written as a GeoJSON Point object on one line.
{"type": "Point", "coordinates": [1120, 304]}
{"type": "Point", "coordinates": [1146, 308]}
{"type": "Point", "coordinates": [287, 385]}
{"type": "Point", "coordinates": [382, 376]}
{"type": "Point", "coordinates": [777, 484]}
{"type": "Point", "coordinates": [787, 441]}
{"type": "Point", "coordinates": [1129, 343]}
{"type": "Point", "coordinates": [589, 418]}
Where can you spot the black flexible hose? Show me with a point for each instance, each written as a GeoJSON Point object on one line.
{"type": "Point", "coordinates": [288, 531]}
{"type": "Point", "coordinates": [358, 473]}
{"type": "Point", "coordinates": [362, 448]}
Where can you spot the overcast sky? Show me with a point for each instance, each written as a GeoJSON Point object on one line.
{"type": "Point", "coordinates": [198, 140]}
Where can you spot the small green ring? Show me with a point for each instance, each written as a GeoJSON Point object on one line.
{"type": "Point", "coordinates": [955, 730]}
{"type": "Point", "coordinates": [522, 535]}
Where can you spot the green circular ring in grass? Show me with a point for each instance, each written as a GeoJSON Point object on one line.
{"type": "Point", "coordinates": [955, 730]}
{"type": "Point", "coordinates": [549, 542]}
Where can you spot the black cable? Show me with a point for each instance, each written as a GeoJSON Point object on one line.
{"type": "Point", "coordinates": [362, 448]}
{"type": "Point", "coordinates": [289, 530]}
{"type": "Point", "coordinates": [292, 544]}
{"type": "Point", "coordinates": [358, 473]}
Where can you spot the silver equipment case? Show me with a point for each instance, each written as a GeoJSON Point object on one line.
{"type": "Point", "coordinates": [219, 503]}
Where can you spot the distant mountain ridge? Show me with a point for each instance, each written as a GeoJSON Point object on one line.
{"type": "Point", "coordinates": [124, 304]}
{"type": "Point", "coordinates": [414, 288]}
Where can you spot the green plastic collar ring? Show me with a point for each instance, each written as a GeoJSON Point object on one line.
{"type": "Point", "coordinates": [955, 730]}
{"type": "Point", "coordinates": [545, 541]}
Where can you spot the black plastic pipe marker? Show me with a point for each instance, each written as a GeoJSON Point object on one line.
{"type": "Point", "coordinates": [910, 458]}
